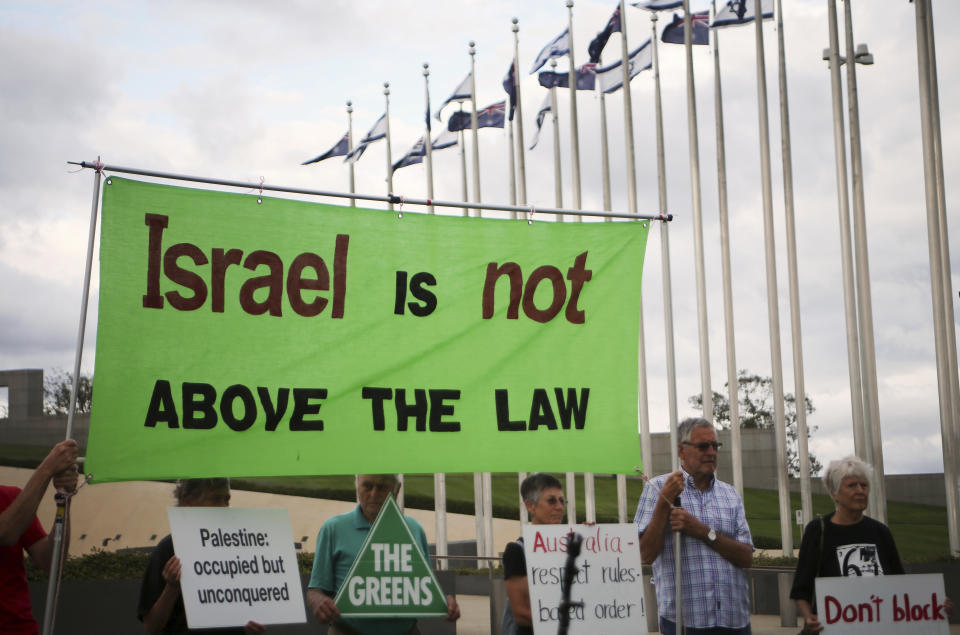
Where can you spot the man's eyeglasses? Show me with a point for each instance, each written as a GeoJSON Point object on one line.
{"type": "Point", "coordinates": [702, 446]}
{"type": "Point", "coordinates": [553, 500]}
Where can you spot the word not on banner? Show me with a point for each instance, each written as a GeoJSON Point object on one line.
{"type": "Point", "coordinates": [608, 588]}
{"type": "Point", "coordinates": [238, 338]}
{"type": "Point", "coordinates": [237, 564]}
{"type": "Point", "coordinates": [391, 577]}
{"type": "Point", "coordinates": [883, 604]}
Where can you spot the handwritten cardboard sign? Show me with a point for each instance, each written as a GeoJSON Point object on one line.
{"type": "Point", "coordinates": [608, 586]}
{"type": "Point", "coordinates": [883, 604]}
{"type": "Point", "coordinates": [236, 565]}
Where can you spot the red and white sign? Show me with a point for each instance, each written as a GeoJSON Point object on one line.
{"type": "Point", "coordinates": [607, 590]}
{"type": "Point", "coordinates": [883, 604]}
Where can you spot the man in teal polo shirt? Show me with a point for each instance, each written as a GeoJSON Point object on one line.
{"type": "Point", "coordinates": [338, 543]}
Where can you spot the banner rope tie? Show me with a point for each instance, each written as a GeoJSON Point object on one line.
{"type": "Point", "coordinates": [260, 195]}
{"type": "Point", "coordinates": [533, 210]}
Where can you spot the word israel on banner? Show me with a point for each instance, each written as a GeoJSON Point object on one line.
{"type": "Point", "coordinates": [883, 604]}
{"type": "Point", "coordinates": [607, 591]}
{"type": "Point", "coordinates": [238, 564]}
{"type": "Point", "coordinates": [249, 336]}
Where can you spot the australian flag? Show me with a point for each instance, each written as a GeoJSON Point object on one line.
{"type": "Point", "coordinates": [339, 150]}
{"type": "Point", "coordinates": [490, 117]}
{"type": "Point", "coordinates": [596, 46]}
{"type": "Point", "coordinates": [673, 32]}
{"type": "Point", "coordinates": [586, 78]}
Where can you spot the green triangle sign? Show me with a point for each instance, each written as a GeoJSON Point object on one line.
{"type": "Point", "coordinates": [391, 577]}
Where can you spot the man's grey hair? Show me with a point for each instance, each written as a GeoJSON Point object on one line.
{"type": "Point", "coordinates": [687, 426]}
{"type": "Point", "coordinates": [533, 486]}
{"type": "Point", "coordinates": [842, 468]}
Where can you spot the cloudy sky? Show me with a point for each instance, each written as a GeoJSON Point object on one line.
{"type": "Point", "coordinates": [251, 89]}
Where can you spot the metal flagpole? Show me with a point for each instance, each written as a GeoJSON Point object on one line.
{"type": "Point", "coordinates": [604, 149]}
{"type": "Point", "coordinates": [577, 203]}
{"type": "Point", "coordinates": [473, 122]}
{"type": "Point", "coordinates": [386, 94]}
{"type": "Point", "coordinates": [868, 360]}
{"type": "Point", "coordinates": [56, 554]}
{"type": "Point", "coordinates": [664, 243]}
{"type": "Point", "coordinates": [353, 185]}
{"type": "Point", "coordinates": [846, 248]}
{"type": "Point", "coordinates": [574, 132]}
{"type": "Point", "coordinates": [488, 512]}
{"type": "Point", "coordinates": [773, 310]}
{"type": "Point", "coordinates": [521, 149]}
{"type": "Point", "coordinates": [557, 183]}
{"type": "Point", "coordinates": [733, 385]}
{"type": "Point", "coordinates": [571, 487]}
{"type": "Point", "coordinates": [440, 517]}
{"type": "Point", "coordinates": [935, 244]}
{"type": "Point", "coordinates": [806, 503]}
{"type": "Point", "coordinates": [934, 109]}
{"type": "Point", "coordinates": [668, 316]}
{"type": "Point", "coordinates": [694, 144]}
{"type": "Point", "coordinates": [439, 480]}
{"type": "Point", "coordinates": [478, 518]}
{"type": "Point", "coordinates": [643, 410]}
{"type": "Point", "coordinates": [463, 167]}
{"type": "Point", "coordinates": [511, 163]}
{"type": "Point", "coordinates": [524, 516]}
{"type": "Point", "coordinates": [482, 481]}
{"type": "Point", "coordinates": [588, 484]}
{"type": "Point", "coordinates": [427, 141]}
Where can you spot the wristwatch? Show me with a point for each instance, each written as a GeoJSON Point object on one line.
{"type": "Point", "coordinates": [711, 536]}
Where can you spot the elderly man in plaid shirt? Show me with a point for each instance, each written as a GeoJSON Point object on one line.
{"type": "Point", "coordinates": [716, 545]}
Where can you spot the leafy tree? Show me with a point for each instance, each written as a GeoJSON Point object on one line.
{"type": "Point", "coordinates": [755, 396]}
{"type": "Point", "coordinates": [56, 392]}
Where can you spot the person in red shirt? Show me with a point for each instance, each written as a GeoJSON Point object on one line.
{"type": "Point", "coordinates": [20, 530]}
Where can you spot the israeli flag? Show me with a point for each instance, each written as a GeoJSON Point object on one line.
{"type": "Point", "coordinates": [658, 5]}
{"type": "Point", "coordinates": [541, 115]}
{"type": "Point", "coordinates": [378, 131]}
{"type": "Point", "coordinates": [461, 93]}
{"type": "Point", "coordinates": [559, 47]}
{"type": "Point", "coordinates": [737, 12]}
{"type": "Point", "coordinates": [610, 78]}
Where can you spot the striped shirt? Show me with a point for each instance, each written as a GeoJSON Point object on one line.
{"type": "Point", "coordinates": [715, 592]}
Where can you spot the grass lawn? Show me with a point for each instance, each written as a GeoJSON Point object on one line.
{"type": "Point", "coordinates": [920, 530]}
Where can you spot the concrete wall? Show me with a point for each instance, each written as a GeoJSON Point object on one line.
{"type": "Point", "coordinates": [25, 392]}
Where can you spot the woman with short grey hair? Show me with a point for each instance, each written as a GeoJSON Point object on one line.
{"type": "Point", "coordinates": [845, 542]}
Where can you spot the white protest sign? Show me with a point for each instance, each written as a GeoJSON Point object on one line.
{"type": "Point", "coordinates": [609, 583]}
{"type": "Point", "coordinates": [883, 604]}
{"type": "Point", "coordinates": [236, 565]}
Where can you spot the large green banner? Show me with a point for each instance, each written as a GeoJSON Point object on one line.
{"type": "Point", "coordinates": [246, 338]}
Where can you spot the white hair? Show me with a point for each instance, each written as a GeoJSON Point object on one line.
{"type": "Point", "coordinates": [843, 468]}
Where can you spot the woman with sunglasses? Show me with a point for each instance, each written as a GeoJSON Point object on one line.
{"type": "Point", "coordinates": [543, 497]}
